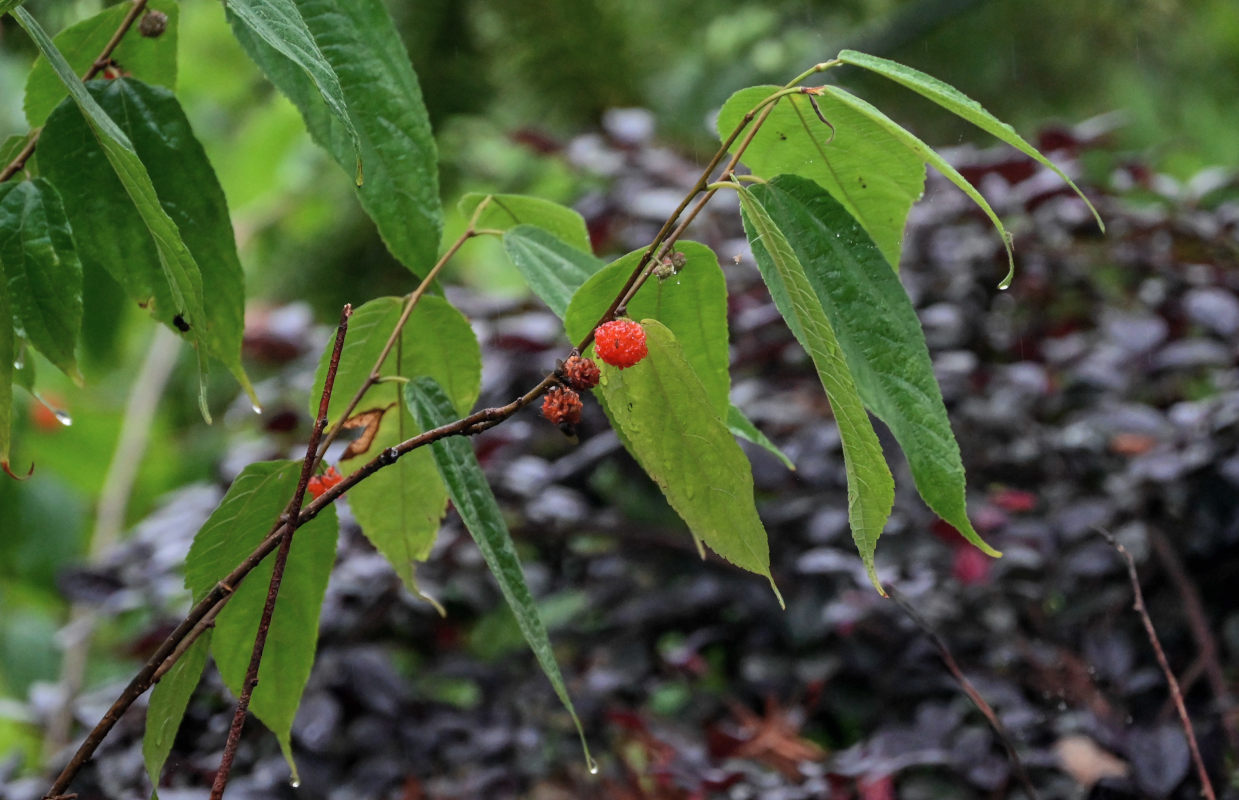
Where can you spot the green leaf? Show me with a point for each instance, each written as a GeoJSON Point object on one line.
{"type": "Point", "coordinates": [38, 260]}
{"type": "Point", "coordinates": [860, 163]}
{"type": "Point", "coordinates": [189, 199]}
{"type": "Point", "coordinates": [399, 508]}
{"type": "Point", "coordinates": [180, 278]}
{"type": "Point", "coordinates": [961, 105]}
{"type": "Point", "coordinates": [8, 352]}
{"type": "Point", "coordinates": [929, 156]}
{"type": "Point", "coordinates": [152, 60]}
{"type": "Point", "coordinates": [553, 269]}
{"type": "Point", "coordinates": [243, 519]}
{"type": "Point", "coordinates": [401, 192]}
{"type": "Point", "coordinates": [8, 5]}
{"type": "Point", "coordinates": [437, 341]}
{"type": "Point", "coordinates": [880, 336]}
{"type": "Point", "coordinates": [692, 303]}
{"type": "Point", "coordinates": [169, 699]}
{"type": "Point", "coordinates": [743, 427]}
{"type": "Point", "coordinates": [506, 211]}
{"type": "Point", "coordinates": [680, 438]}
{"type": "Point", "coordinates": [871, 489]}
{"type": "Point", "coordinates": [477, 507]}
{"type": "Point", "coordinates": [280, 25]}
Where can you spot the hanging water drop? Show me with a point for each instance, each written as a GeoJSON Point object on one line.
{"type": "Point", "coordinates": [294, 782]}
{"type": "Point", "coordinates": [593, 766]}
{"type": "Point", "coordinates": [257, 408]}
{"type": "Point", "coordinates": [60, 414]}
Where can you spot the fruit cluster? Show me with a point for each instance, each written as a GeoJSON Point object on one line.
{"type": "Point", "coordinates": [321, 483]}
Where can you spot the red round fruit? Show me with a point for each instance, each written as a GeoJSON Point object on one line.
{"type": "Point", "coordinates": [620, 343]}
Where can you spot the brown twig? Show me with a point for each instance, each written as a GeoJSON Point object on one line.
{"type": "Point", "coordinates": [1197, 623]}
{"type": "Point", "coordinates": [670, 231]}
{"type": "Point", "coordinates": [97, 66]}
{"type": "Point", "coordinates": [281, 561]}
{"type": "Point", "coordinates": [1206, 786]}
{"type": "Point", "coordinates": [944, 653]}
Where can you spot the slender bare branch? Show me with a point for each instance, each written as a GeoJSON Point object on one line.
{"type": "Point", "coordinates": [281, 561]}
{"type": "Point", "coordinates": [944, 653]}
{"type": "Point", "coordinates": [1206, 786]}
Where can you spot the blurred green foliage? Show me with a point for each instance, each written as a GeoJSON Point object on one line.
{"type": "Point", "coordinates": [487, 69]}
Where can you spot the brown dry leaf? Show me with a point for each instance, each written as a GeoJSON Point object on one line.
{"type": "Point", "coordinates": [1132, 444]}
{"type": "Point", "coordinates": [775, 738]}
{"type": "Point", "coordinates": [1084, 760]}
{"type": "Point", "coordinates": [368, 421]}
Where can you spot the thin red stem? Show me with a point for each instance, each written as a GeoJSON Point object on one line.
{"type": "Point", "coordinates": [281, 562]}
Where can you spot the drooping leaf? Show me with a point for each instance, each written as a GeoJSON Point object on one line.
{"type": "Point", "coordinates": [880, 336]}
{"type": "Point", "coordinates": [506, 211]}
{"type": "Point", "coordinates": [553, 269]}
{"type": "Point", "coordinates": [871, 489]}
{"type": "Point", "coordinates": [151, 60]}
{"type": "Point", "coordinates": [279, 24]}
{"type": "Point", "coordinates": [180, 281]}
{"type": "Point", "coordinates": [478, 509]}
{"type": "Point", "coordinates": [859, 162]}
{"type": "Point", "coordinates": [961, 105]}
{"type": "Point", "coordinates": [38, 260]}
{"type": "Point", "coordinates": [401, 191]}
{"type": "Point", "coordinates": [743, 427]}
{"type": "Point", "coordinates": [680, 438]}
{"type": "Point", "coordinates": [692, 303]}
{"type": "Point", "coordinates": [238, 525]}
{"type": "Point", "coordinates": [930, 157]}
{"type": "Point", "coordinates": [399, 508]}
{"type": "Point", "coordinates": [169, 699]}
{"type": "Point", "coordinates": [189, 198]}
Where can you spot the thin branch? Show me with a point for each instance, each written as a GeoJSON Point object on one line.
{"type": "Point", "coordinates": [1206, 786]}
{"type": "Point", "coordinates": [1198, 624]}
{"type": "Point", "coordinates": [675, 235]}
{"type": "Point", "coordinates": [281, 561]}
{"type": "Point", "coordinates": [97, 66]}
{"type": "Point", "coordinates": [669, 230]}
{"type": "Point", "coordinates": [944, 653]}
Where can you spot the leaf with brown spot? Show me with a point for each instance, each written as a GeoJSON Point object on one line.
{"type": "Point", "coordinates": [368, 421]}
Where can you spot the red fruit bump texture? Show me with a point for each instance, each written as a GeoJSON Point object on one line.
{"type": "Point", "coordinates": [620, 343]}
{"type": "Point", "coordinates": [561, 406]}
{"type": "Point", "coordinates": [580, 373]}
